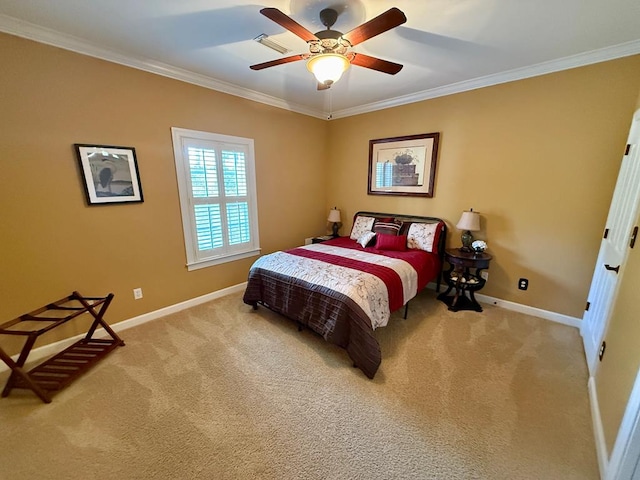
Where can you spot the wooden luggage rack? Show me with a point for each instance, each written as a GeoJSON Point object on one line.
{"type": "Point", "coordinates": [60, 370]}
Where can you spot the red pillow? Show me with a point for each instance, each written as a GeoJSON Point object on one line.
{"type": "Point", "coordinates": [391, 242]}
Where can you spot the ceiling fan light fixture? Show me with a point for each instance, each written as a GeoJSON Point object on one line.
{"type": "Point", "coordinates": [328, 67]}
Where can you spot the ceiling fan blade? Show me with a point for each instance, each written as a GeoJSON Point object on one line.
{"type": "Point", "coordinates": [383, 22]}
{"type": "Point", "coordinates": [288, 23]}
{"type": "Point", "coordinates": [374, 63]}
{"type": "Point", "coordinates": [280, 61]}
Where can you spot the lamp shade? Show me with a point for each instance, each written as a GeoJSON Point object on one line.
{"type": "Point", "coordinates": [334, 215]}
{"type": "Point", "coordinates": [328, 67]}
{"type": "Point", "coordinates": [469, 221]}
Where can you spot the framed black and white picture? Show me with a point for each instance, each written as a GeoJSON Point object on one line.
{"type": "Point", "coordinates": [110, 174]}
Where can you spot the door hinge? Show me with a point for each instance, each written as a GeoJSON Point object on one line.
{"type": "Point", "coordinates": [586, 308]}
{"type": "Point", "coordinates": [602, 349]}
{"type": "Point", "coordinates": [626, 151]}
{"type": "Point", "coordinates": [634, 235]}
{"type": "Point", "coordinates": [606, 233]}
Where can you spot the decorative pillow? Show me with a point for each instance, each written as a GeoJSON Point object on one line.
{"type": "Point", "coordinates": [405, 228]}
{"type": "Point", "coordinates": [423, 236]}
{"type": "Point", "coordinates": [361, 225]}
{"type": "Point", "coordinates": [391, 242]}
{"type": "Point", "coordinates": [365, 238]}
{"type": "Point", "coordinates": [388, 226]}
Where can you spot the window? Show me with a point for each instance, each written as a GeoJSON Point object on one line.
{"type": "Point", "coordinates": [217, 187]}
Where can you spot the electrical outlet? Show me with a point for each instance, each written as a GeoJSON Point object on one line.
{"type": "Point", "coordinates": [137, 293]}
{"type": "Point", "coordinates": [484, 274]}
{"type": "Point", "coordinates": [523, 283]}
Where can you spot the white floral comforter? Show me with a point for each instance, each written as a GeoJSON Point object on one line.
{"type": "Point", "coordinates": [345, 270]}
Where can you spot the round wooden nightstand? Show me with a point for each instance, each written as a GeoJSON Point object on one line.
{"type": "Point", "coordinates": [463, 280]}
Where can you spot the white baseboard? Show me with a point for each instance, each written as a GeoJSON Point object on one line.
{"type": "Point", "coordinates": [598, 432]}
{"type": "Point", "coordinates": [48, 350]}
{"type": "Point", "coordinates": [53, 348]}
{"type": "Point", "coordinates": [536, 312]}
{"type": "Point", "coordinates": [518, 307]}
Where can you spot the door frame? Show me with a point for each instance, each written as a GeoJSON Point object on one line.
{"type": "Point", "coordinates": [625, 454]}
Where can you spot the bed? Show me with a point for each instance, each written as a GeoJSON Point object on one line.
{"type": "Point", "coordinates": [347, 287]}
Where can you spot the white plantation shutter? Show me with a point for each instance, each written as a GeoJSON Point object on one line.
{"type": "Point", "coordinates": [217, 195]}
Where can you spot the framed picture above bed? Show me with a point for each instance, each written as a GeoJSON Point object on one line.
{"type": "Point", "coordinates": [403, 165]}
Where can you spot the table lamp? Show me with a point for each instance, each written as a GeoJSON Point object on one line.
{"type": "Point", "coordinates": [334, 217]}
{"type": "Point", "coordinates": [469, 222]}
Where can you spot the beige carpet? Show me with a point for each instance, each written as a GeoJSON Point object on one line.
{"type": "Point", "coordinates": [222, 392]}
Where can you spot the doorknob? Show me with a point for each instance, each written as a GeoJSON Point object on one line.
{"type": "Point", "coordinates": [613, 269]}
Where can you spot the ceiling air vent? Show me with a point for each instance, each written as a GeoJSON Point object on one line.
{"type": "Point", "coordinates": [267, 42]}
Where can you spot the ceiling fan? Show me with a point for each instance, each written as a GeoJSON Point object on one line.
{"type": "Point", "coordinates": [329, 55]}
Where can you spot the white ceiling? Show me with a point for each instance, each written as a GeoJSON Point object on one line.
{"type": "Point", "coordinates": [446, 46]}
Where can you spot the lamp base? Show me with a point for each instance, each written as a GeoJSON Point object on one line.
{"type": "Point", "coordinates": [467, 240]}
{"type": "Point", "coordinates": [335, 229]}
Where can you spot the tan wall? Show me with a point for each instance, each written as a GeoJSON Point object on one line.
{"type": "Point", "coordinates": [538, 158]}
{"type": "Point", "coordinates": [53, 243]}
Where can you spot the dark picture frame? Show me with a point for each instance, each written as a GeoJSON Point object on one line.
{"type": "Point", "coordinates": [110, 174]}
{"type": "Point", "coordinates": [403, 165]}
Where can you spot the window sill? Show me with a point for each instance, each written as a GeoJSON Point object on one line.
{"type": "Point", "coordinates": [222, 259]}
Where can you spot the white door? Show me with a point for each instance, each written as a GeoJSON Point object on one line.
{"type": "Point", "coordinates": [614, 247]}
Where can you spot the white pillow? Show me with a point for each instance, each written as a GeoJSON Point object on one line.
{"type": "Point", "coordinates": [365, 238]}
{"type": "Point", "coordinates": [421, 236]}
{"type": "Point", "coordinates": [360, 226]}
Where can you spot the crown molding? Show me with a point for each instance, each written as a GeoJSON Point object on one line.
{"type": "Point", "coordinates": [47, 36]}
{"type": "Point", "coordinates": [596, 56]}
{"type": "Point", "coordinates": [40, 34]}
